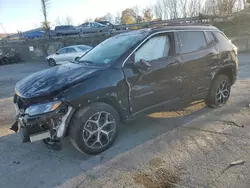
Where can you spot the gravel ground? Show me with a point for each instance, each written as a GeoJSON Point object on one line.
{"type": "Point", "coordinates": [191, 147]}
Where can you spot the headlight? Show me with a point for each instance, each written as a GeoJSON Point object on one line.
{"type": "Point", "coordinates": [42, 108]}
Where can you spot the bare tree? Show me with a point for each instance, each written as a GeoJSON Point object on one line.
{"type": "Point", "coordinates": [68, 20]}
{"type": "Point", "coordinates": [45, 24]}
{"type": "Point", "coordinates": [89, 20]}
{"type": "Point", "coordinates": [136, 13]}
{"type": "Point", "coordinates": [117, 18]}
{"type": "Point", "coordinates": [183, 8]}
{"type": "Point", "coordinates": [157, 9]}
{"type": "Point", "coordinates": [58, 21]}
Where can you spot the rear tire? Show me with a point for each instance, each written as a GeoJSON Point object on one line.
{"type": "Point", "coordinates": [219, 92]}
{"type": "Point", "coordinates": [93, 129]}
{"type": "Point", "coordinates": [52, 62]}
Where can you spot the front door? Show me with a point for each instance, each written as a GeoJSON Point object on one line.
{"type": "Point", "coordinates": [162, 82]}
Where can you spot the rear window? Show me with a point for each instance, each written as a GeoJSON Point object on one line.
{"type": "Point", "coordinates": [221, 38]}
{"type": "Point", "coordinates": [83, 48]}
{"type": "Point", "coordinates": [210, 37]}
{"type": "Point", "coordinates": [192, 41]}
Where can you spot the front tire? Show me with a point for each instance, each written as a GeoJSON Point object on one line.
{"type": "Point", "coordinates": [52, 62]}
{"type": "Point", "coordinates": [93, 129]}
{"type": "Point", "coordinates": [219, 92]}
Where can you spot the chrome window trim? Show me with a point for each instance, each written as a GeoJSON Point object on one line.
{"type": "Point", "coordinates": [160, 32]}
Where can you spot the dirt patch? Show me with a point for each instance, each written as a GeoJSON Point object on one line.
{"type": "Point", "coordinates": [191, 108]}
{"type": "Point", "coordinates": [156, 162]}
{"type": "Point", "coordinates": [161, 178]}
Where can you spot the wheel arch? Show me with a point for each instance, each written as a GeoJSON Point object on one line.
{"type": "Point", "coordinates": [227, 71]}
{"type": "Point", "coordinates": [110, 100]}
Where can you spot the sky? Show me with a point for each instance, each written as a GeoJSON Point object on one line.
{"type": "Point", "coordinates": [23, 15]}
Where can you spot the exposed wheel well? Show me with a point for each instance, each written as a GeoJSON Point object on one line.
{"type": "Point", "coordinates": [228, 72]}
{"type": "Point", "coordinates": [112, 102]}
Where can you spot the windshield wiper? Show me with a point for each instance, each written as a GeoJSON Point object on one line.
{"type": "Point", "coordinates": [86, 62]}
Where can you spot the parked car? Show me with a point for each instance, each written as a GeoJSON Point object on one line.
{"type": "Point", "coordinates": [9, 58]}
{"type": "Point", "coordinates": [92, 27]}
{"type": "Point", "coordinates": [64, 30]}
{"type": "Point", "coordinates": [113, 26]}
{"type": "Point", "coordinates": [34, 35]}
{"type": "Point", "coordinates": [126, 75]}
{"type": "Point", "coordinates": [66, 54]}
{"type": "Point", "coordinates": [107, 23]}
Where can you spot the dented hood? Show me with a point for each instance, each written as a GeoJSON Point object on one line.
{"type": "Point", "coordinates": [57, 78]}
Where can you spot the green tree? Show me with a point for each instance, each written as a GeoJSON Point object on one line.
{"type": "Point", "coordinates": [128, 16]}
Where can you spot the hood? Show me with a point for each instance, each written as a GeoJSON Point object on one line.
{"type": "Point", "coordinates": [50, 80]}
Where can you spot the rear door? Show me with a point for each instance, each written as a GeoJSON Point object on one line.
{"type": "Point", "coordinates": [71, 54]}
{"type": "Point", "coordinates": [196, 57]}
{"type": "Point", "coordinates": [162, 82]}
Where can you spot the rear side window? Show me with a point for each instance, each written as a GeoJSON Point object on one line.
{"type": "Point", "coordinates": [210, 37]}
{"type": "Point", "coordinates": [192, 41]}
{"type": "Point", "coordinates": [221, 38]}
{"type": "Point", "coordinates": [71, 50]}
{"type": "Point", "coordinates": [62, 51]}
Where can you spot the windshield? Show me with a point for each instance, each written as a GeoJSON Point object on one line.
{"type": "Point", "coordinates": [111, 49]}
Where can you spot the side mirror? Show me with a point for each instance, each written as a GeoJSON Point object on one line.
{"type": "Point", "coordinates": [143, 66]}
{"type": "Point", "coordinates": [57, 53]}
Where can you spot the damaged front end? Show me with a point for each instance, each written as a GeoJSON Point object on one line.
{"type": "Point", "coordinates": [40, 119]}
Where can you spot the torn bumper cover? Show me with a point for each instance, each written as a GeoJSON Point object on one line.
{"type": "Point", "coordinates": [51, 125]}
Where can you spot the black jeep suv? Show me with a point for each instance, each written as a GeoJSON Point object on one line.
{"type": "Point", "coordinates": [126, 75]}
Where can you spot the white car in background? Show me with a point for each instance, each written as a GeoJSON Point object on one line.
{"type": "Point", "coordinates": [66, 54]}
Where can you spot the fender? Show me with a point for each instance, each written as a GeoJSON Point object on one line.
{"type": "Point", "coordinates": [102, 88]}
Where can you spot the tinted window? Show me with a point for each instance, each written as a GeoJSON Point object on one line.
{"type": "Point", "coordinates": [62, 51]}
{"type": "Point", "coordinates": [155, 48]}
{"type": "Point", "coordinates": [210, 37]}
{"type": "Point", "coordinates": [221, 38]}
{"type": "Point", "coordinates": [192, 41]}
{"type": "Point", "coordinates": [71, 50]}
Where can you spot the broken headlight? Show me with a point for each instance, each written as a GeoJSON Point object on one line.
{"type": "Point", "coordinates": [42, 108]}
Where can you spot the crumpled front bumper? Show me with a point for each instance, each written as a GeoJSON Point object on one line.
{"type": "Point", "coordinates": [39, 127]}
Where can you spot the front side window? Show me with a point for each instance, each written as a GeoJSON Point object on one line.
{"type": "Point", "coordinates": [210, 37]}
{"type": "Point", "coordinates": [156, 48]}
{"type": "Point", "coordinates": [221, 38]}
{"type": "Point", "coordinates": [192, 41]}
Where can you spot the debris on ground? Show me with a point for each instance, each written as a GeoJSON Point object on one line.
{"type": "Point", "coordinates": [233, 123]}
{"type": "Point", "coordinates": [162, 177]}
{"type": "Point", "coordinates": [235, 163]}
